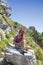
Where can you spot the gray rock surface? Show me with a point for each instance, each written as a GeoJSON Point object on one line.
{"type": "Point", "coordinates": [6, 8]}
{"type": "Point", "coordinates": [15, 57]}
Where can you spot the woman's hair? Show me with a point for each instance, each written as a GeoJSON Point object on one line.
{"type": "Point", "coordinates": [22, 31]}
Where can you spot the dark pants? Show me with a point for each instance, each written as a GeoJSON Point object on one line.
{"type": "Point", "coordinates": [22, 51]}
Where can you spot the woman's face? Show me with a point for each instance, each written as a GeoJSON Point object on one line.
{"type": "Point", "coordinates": [21, 34]}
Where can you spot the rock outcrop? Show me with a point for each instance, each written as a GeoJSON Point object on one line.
{"type": "Point", "coordinates": [6, 8]}
{"type": "Point", "coordinates": [16, 58]}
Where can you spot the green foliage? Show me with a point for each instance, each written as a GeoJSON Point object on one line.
{"type": "Point", "coordinates": [7, 41]}
{"type": "Point", "coordinates": [29, 41]}
{"type": "Point", "coordinates": [39, 62]}
{"type": "Point", "coordinates": [1, 55]}
{"type": "Point", "coordinates": [1, 19]}
{"type": "Point", "coordinates": [2, 45]}
{"type": "Point", "coordinates": [13, 32]}
{"type": "Point", "coordinates": [39, 54]}
{"type": "Point", "coordinates": [1, 10]}
{"type": "Point", "coordinates": [38, 38]}
{"type": "Point", "coordinates": [9, 21]}
{"type": "Point", "coordinates": [37, 49]}
{"type": "Point", "coordinates": [0, 34]}
{"type": "Point", "coordinates": [41, 38]}
{"type": "Point", "coordinates": [8, 35]}
{"type": "Point", "coordinates": [15, 23]}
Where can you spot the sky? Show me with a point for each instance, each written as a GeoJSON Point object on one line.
{"type": "Point", "coordinates": [27, 12]}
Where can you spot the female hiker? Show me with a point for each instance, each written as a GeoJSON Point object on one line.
{"type": "Point", "coordinates": [19, 41]}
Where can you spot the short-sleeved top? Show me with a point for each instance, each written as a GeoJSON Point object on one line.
{"type": "Point", "coordinates": [18, 40]}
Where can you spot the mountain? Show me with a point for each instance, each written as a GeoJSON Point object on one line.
{"type": "Point", "coordinates": [8, 29]}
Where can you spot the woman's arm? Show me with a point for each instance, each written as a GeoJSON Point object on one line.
{"type": "Point", "coordinates": [21, 44]}
{"type": "Point", "coordinates": [14, 41]}
{"type": "Point", "coordinates": [25, 46]}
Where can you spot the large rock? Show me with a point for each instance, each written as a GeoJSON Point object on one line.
{"type": "Point", "coordinates": [6, 8]}
{"type": "Point", "coordinates": [17, 58]}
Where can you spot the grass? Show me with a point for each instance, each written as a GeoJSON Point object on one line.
{"type": "Point", "coordinates": [9, 21]}
{"type": "Point", "coordinates": [37, 49]}
{"type": "Point", "coordinates": [1, 55]}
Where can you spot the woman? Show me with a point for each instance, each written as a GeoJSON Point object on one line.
{"type": "Point", "coordinates": [19, 41]}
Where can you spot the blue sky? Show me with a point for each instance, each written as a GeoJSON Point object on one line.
{"type": "Point", "coordinates": [27, 12]}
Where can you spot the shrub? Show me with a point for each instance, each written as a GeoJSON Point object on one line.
{"type": "Point", "coordinates": [7, 41]}
{"type": "Point", "coordinates": [2, 45]}
{"type": "Point", "coordinates": [8, 35]}
{"type": "Point", "coordinates": [39, 54]}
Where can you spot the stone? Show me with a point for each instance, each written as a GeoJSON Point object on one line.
{"type": "Point", "coordinates": [15, 57]}
{"type": "Point", "coordinates": [6, 8]}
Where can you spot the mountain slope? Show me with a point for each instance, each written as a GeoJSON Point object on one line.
{"type": "Point", "coordinates": [7, 39]}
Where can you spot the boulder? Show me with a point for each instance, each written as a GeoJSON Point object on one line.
{"type": "Point", "coordinates": [17, 58]}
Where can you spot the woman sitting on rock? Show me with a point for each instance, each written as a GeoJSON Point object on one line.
{"type": "Point", "coordinates": [19, 41]}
